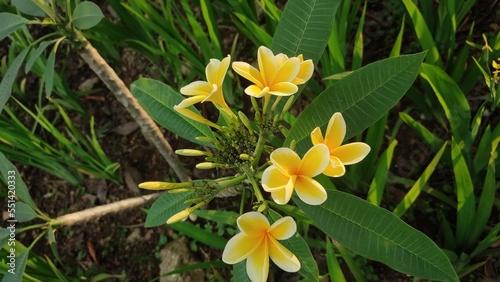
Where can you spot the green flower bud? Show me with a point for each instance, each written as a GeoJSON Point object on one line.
{"type": "Point", "coordinates": [192, 153]}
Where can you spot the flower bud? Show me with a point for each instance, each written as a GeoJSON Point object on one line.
{"type": "Point", "coordinates": [179, 216]}
{"type": "Point", "coordinates": [158, 185]}
{"type": "Point", "coordinates": [245, 121]}
{"type": "Point", "coordinates": [208, 165]}
{"type": "Point", "coordinates": [192, 153]}
{"type": "Point", "coordinates": [180, 190]}
{"type": "Point", "coordinates": [287, 106]}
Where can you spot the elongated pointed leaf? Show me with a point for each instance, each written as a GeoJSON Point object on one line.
{"type": "Point", "coordinates": [297, 245]}
{"type": "Point", "coordinates": [10, 77]}
{"type": "Point", "coordinates": [24, 212]}
{"type": "Point", "coordinates": [378, 234]}
{"type": "Point", "coordinates": [201, 235]}
{"type": "Point", "coordinates": [159, 100]}
{"type": "Point", "coordinates": [49, 73]}
{"type": "Point", "coordinates": [363, 97]}
{"type": "Point", "coordinates": [240, 272]}
{"type": "Point", "coordinates": [10, 23]}
{"type": "Point", "coordinates": [21, 259]}
{"type": "Point", "coordinates": [304, 28]}
{"type": "Point", "coordinates": [35, 54]}
{"type": "Point", "coordinates": [165, 207]}
{"type": "Point", "coordinates": [86, 15]}
{"type": "Point", "coordinates": [10, 173]}
{"type": "Point", "coordinates": [28, 7]}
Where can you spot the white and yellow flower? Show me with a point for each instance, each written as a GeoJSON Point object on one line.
{"type": "Point", "coordinates": [340, 155]}
{"type": "Point", "coordinates": [258, 241]}
{"type": "Point", "coordinates": [289, 172]}
{"type": "Point", "coordinates": [277, 74]}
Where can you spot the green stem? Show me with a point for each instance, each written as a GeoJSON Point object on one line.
{"type": "Point", "coordinates": [259, 148]}
{"type": "Point", "coordinates": [249, 174]}
{"type": "Point", "coordinates": [231, 182]}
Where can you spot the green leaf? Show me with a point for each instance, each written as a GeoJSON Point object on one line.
{"type": "Point", "coordinates": [166, 206]}
{"type": "Point", "coordinates": [24, 212]}
{"type": "Point", "coordinates": [49, 73]}
{"type": "Point", "coordinates": [297, 245]}
{"type": "Point", "coordinates": [10, 173]}
{"type": "Point", "coordinates": [28, 7]}
{"type": "Point", "coordinates": [465, 197]}
{"type": "Point", "coordinates": [21, 260]}
{"type": "Point", "coordinates": [334, 270]}
{"type": "Point", "coordinates": [378, 234]}
{"type": "Point", "coordinates": [4, 236]}
{"type": "Point", "coordinates": [10, 76]}
{"type": "Point", "coordinates": [158, 99]}
{"type": "Point", "coordinates": [363, 97]}
{"type": "Point", "coordinates": [304, 28]}
{"type": "Point", "coordinates": [415, 190]}
{"type": "Point", "coordinates": [224, 217]}
{"type": "Point", "coordinates": [86, 15]}
{"type": "Point", "coordinates": [377, 186]}
{"type": "Point", "coordinates": [240, 272]}
{"type": "Point", "coordinates": [452, 100]}
{"type": "Point", "coordinates": [206, 237]}
{"type": "Point", "coordinates": [10, 23]}
{"type": "Point", "coordinates": [396, 48]}
{"type": "Point", "coordinates": [35, 54]}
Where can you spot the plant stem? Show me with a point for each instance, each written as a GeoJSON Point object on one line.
{"type": "Point", "coordinates": [149, 128]}
{"type": "Point", "coordinates": [259, 148]}
{"type": "Point", "coordinates": [96, 212]}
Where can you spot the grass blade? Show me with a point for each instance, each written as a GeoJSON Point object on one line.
{"type": "Point", "coordinates": [10, 77]}
{"type": "Point", "coordinates": [377, 186]}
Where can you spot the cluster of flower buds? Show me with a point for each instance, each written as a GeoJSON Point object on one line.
{"type": "Point", "coordinates": [240, 143]}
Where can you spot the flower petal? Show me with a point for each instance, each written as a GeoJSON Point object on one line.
{"type": "Point", "coordinates": [283, 228]}
{"type": "Point", "coordinates": [248, 72]}
{"type": "Point", "coordinates": [286, 160]}
{"type": "Point", "coordinates": [282, 257]}
{"type": "Point", "coordinates": [314, 161]}
{"type": "Point", "coordinates": [335, 131]}
{"type": "Point", "coordinates": [197, 88]}
{"type": "Point", "coordinates": [283, 89]}
{"type": "Point", "coordinates": [253, 224]}
{"type": "Point", "coordinates": [239, 248]}
{"type": "Point", "coordinates": [317, 136]}
{"type": "Point", "coordinates": [310, 191]}
{"type": "Point", "coordinates": [258, 263]}
{"type": "Point", "coordinates": [190, 101]}
{"type": "Point", "coordinates": [216, 70]}
{"type": "Point", "coordinates": [273, 178]}
{"type": "Point", "coordinates": [256, 91]}
{"type": "Point", "coordinates": [335, 168]}
{"type": "Point", "coordinates": [268, 65]}
{"type": "Point", "coordinates": [282, 196]}
{"type": "Point", "coordinates": [305, 72]}
{"type": "Point", "coordinates": [351, 153]}
{"type": "Point", "coordinates": [287, 71]}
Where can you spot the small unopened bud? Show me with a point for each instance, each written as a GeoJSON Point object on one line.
{"type": "Point", "coordinates": [192, 153]}
{"type": "Point", "coordinates": [158, 185]}
{"type": "Point", "coordinates": [206, 139]}
{"type": "Point", "coordinates": [293, 144]}
{"type": "Point", "coordinates": [244, 157]}
{"type": "Point", "coordinates": [193, 201]}
{"type": "Point", "coordinates": [208, 165]}
{"type": "Point", "coordinates": [262, 207]}
{"type": "Point", "coordinates": [287, 106]}
{"type": "Point", "coordinates": [180, 190]}
{"type": "Point", "coordinates": [179, 216]}
{"type": "Point", "coordinates": [245, 121]}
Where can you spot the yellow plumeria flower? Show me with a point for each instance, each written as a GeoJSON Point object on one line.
{"type": "Point", "coordinates": [289, 172]}
{"type": "Point", "coordinates": [277, 75]}
{"type": "Point", "coordinates": [340, 156]}
{"type": "Point", "coordinates": [210, 90]}
{"type": "Point", "coordinates": [257, 241]}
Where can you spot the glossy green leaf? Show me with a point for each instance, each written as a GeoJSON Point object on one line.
{"type": "Point", "coordinates": [377, 187]}
{"type": "Point", "coordinates": [87, 15]}
{"type": "Point", "coordinates": [10, 76]}
{"type": "Point", "coordinates": [378, 234]}
{"type": "Point", "coordinates": [415, 190]}
{"type": "Point", "coordinates": [166, 206]}
{"type": "Point", "coordinates": [34, 55]}
{"type": "Point", "coordinates": [363, 97]}
{"type": "Point", "coordinates": [24, 212]}
{"type": "Point", "coordinates": [297, 245]}
{"type": "Point", "coordinates": [206, 237]}
{"type": "Point", "coordinates": [10, 173]}
{"type": "Point", "coordinates": [240, 272]}
{"type": "Point", "coordinates": [10, 23]}
{"type": "Point", "coordinates": [158, 99]}
{"type": "Point", "coordinates": [465, 196]}
{"type": "Point", "coordinates": [334, 270]}
{"type": "Point", "coordinates": [304, 28]}
{"type": "Point", "coordinates": [21, 259]}
{"type": "Point", "coordinates": [28, 7]}
{"type": "Point", "coordinates": [49, 73]}
{"type": "Point", "coordinates": [452, 99]}
{"type": "Point", "coordinates": [396, 48]}
{"type": "Point", "coordinates": [423, 33]}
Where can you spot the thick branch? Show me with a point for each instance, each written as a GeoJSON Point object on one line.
{"type": "Point", "coordinates": [96, 212]}
{"type": "Point", "coordinates": [125, 97]}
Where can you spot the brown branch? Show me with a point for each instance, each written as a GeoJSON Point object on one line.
{"type": "Point", "coordinates": [149, 128]}
{"type": "Point", "coordinates": [96, 212]}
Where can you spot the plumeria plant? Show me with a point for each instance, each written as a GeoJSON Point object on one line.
{"type": "Point", "coordinates": [286, 165]}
